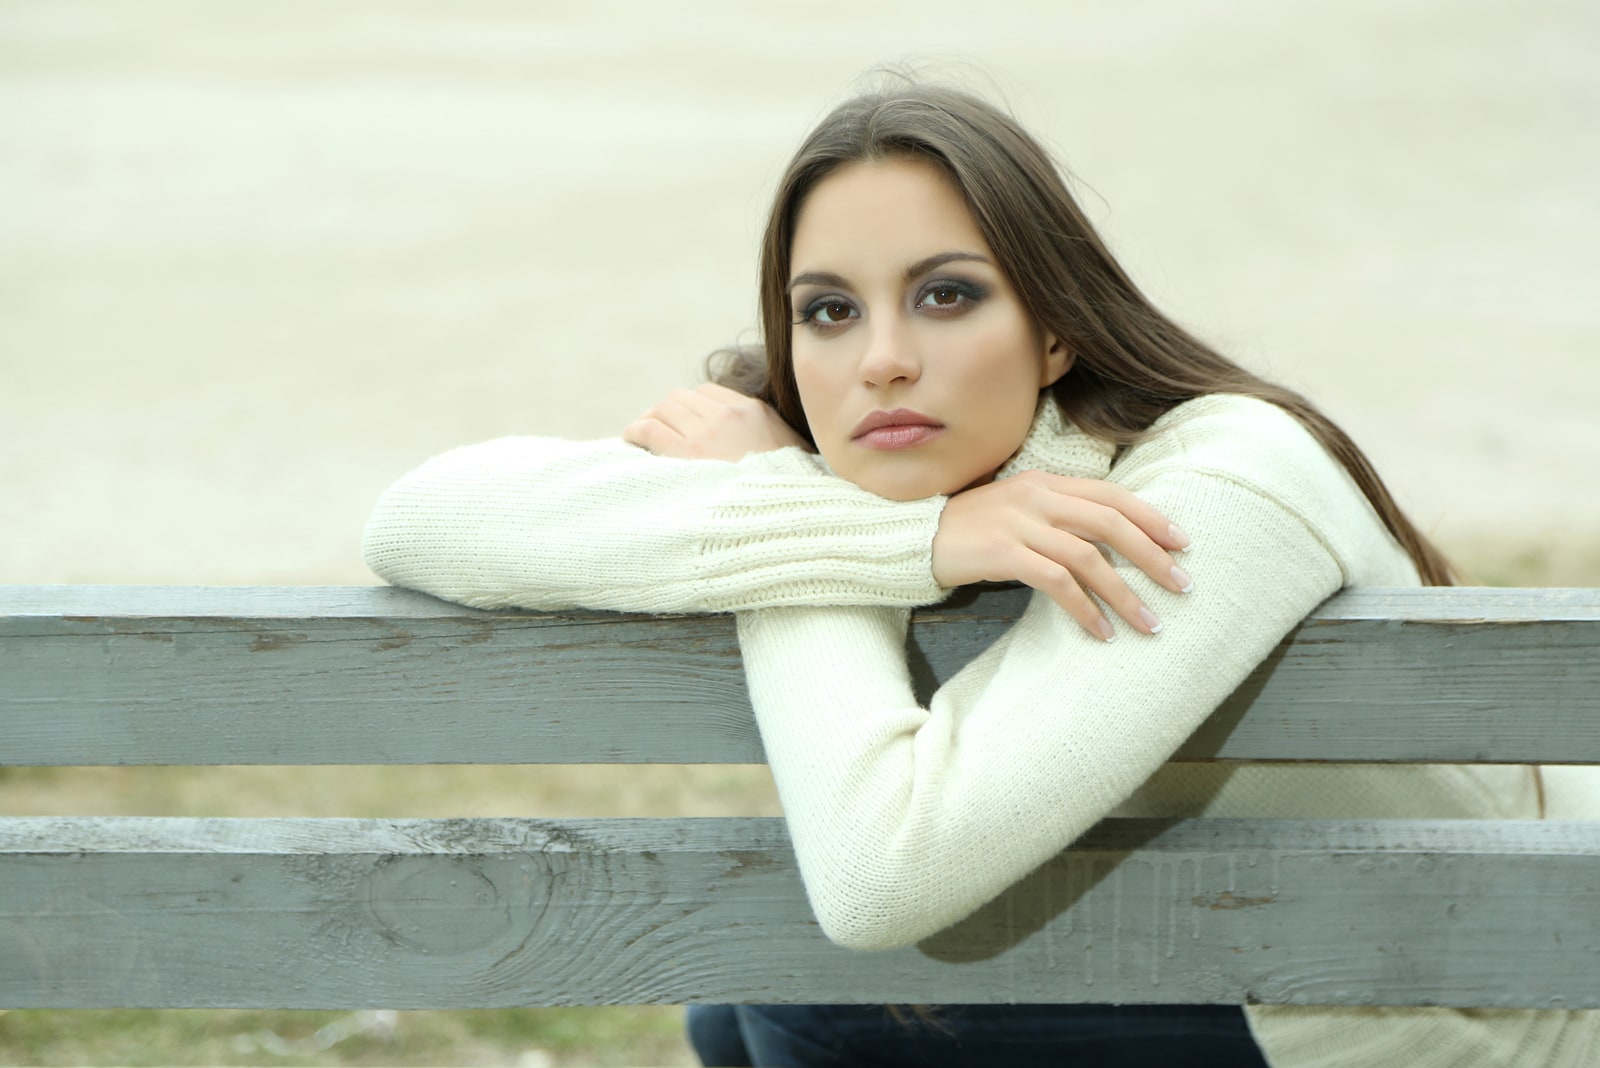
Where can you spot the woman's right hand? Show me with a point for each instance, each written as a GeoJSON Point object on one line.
{"type": "Point", "coordinates": [1045, 531]}
{"type": "Point", "coordinates": [710, 422]}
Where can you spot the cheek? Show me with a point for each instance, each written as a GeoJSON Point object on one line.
{"type": "Point", "coordinates": [1005, 388]}
{"type": "Point", "coordinates": [1006, 372]}
{"type": "Point", "coordinates": [819, 396]}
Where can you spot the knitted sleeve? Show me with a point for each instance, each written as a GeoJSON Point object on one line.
{"type": "Point", "coordinates": [551, 524]}
{"type": "Point", "coordinates": [906, 819]}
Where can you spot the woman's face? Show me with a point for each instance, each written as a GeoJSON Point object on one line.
{"type": "Point", "coordinates": [917, 365]}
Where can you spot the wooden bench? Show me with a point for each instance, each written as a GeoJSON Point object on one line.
{"type": "Point", "coordinates": [456, 913]}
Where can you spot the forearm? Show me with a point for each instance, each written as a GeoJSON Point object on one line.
{"type": "Point", "coordinates": [1027, 747]}
{"type": "Point", "coordinates": [551, 524]}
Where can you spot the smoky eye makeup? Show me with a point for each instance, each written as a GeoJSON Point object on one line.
{"type": "Point", "coordinates": [949, 295]}
{"type": "Point", "coordinates": [830, 310]}
{"type": "Point", "coordinates": [822, 312]}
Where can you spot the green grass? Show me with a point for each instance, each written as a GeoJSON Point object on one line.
{"type": "Point", "coordinates": [528, 1037]}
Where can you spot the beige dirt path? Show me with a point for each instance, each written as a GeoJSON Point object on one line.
{"type": "Point", "coordinates": [257, 260]}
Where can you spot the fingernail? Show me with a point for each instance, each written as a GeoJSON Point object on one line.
{"type": "Point", "coordinates": [1150, 620]}
{"type": "Point", "coordinates": [1181, 577]}
{"type": "Point", "coordinates": [1178, 536]}
{"type": "Point", "coordinates": [1105, 629]}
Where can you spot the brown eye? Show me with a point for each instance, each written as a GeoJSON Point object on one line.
{"type": "Point", "coordinates": [950, 296]}
{"type": "Point", "coordinates": [826, 313]}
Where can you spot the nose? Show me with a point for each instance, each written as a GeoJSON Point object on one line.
{"type": "Point", "coordinates": [891, 355]}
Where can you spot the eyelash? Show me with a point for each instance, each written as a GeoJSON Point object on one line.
{"type": "Point", "coordinates": [966, 292]}
{"type": "Point", "coordinates": [808, 316]}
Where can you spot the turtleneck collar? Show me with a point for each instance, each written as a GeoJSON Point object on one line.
{"type": "Point", "coordinates": [1056, 446]}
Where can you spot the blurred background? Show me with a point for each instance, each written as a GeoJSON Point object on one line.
{"type": "Point", "coordinates": [257, 260]}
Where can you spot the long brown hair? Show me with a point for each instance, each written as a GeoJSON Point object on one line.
{"type": "Point", "coordinates": [1133, 363]}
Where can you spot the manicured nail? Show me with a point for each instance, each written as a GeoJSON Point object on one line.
{"type": "Point", "coordinates": [1150, 620]}
{"type": "Point", "coordinates": [1182, 579]}
{"type": "Point", "coordinates": [1178, 536]}
{"type": "Point", "coordinates": [1105, 629]}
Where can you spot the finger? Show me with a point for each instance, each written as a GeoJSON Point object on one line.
{"type": "Point", "coordinates": [1146, 517]}
{"type": "Point", "coordinates": [673, 411]}
{"type": "Point", "coordinates": [694, 400]}
{"type": "Point", "coordinates": [1094, 573]}
{"type": "Point", "coordinates": [652, 435]}
{"type": "Point", "coordinates": [722, 394]}
{"type": "Point", "coordinates": [1114, 529]}
{"type": "Point", "coordinates": [1058, 583]}
{"type": "Point", "coordinates": [714, 401]}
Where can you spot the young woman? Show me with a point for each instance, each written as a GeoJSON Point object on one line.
{"type": "Point", "coordinates": [959, 384]}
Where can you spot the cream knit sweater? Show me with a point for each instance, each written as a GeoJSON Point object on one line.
{"type": "Point", "coordinates": [1040, 736]}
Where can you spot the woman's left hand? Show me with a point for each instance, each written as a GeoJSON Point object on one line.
{"type": "Point", "coordinates": [1045, 530]}
{"type": "Point", "coordinates": [710, 422]}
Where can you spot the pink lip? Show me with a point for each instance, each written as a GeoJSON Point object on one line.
{"type": "Point", "coordinates": [899, 429]}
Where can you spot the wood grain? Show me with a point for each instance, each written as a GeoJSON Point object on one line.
{"type": "Point", "coordinates": [486, 913]}
{"type": "Point", "coordinates": [131, 675]}
{"type": "Point", "coordinates": [303, 913]}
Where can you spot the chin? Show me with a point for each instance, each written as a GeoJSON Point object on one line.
{"type": "Point", "coordinates": [898, 493]}
{"type": "Point", "coordinates": [905, 476]}
{"type": "Point", "coordinates": [907, 486]}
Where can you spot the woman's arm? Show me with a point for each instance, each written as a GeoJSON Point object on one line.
{"type": "Point", "coordinates": [906, 819]}
{"type": "Point", "coordinates": [552, 524]}
{"type": "Point", "coordinates": [733, 516]}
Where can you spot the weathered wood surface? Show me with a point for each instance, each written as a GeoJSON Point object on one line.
{"type": "Point", "coordinates": [136, 675]}
{"type": "Point", "coordinates": [485, 913]}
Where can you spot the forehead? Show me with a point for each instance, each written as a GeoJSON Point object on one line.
{"type": "Point", "coordinates": [888, 212]}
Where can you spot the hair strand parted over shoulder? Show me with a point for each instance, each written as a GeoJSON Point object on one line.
{"type": "Point", "coordinates": [1133, 363]}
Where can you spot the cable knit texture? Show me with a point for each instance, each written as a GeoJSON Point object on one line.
{"type": "Point", "coordinates": [546, 523]}
{"type": "Point", "coordinates": [1035, 740]}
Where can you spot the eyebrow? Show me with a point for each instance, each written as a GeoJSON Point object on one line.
{"type": "Point", "coordinates": [921, 267]}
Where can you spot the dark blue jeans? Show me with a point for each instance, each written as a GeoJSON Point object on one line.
{"type": "Point", "coordinates": [1017, 1036]}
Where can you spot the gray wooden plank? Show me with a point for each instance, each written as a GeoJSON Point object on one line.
{"type": "Point", "coordinates": [1492, 604]}
{"type": "Point", "coordinates": [131, 675]}
{"type": "Point", "coordinates": [485, 913]}
{"type": "Point", "coordinates": [226, 602]}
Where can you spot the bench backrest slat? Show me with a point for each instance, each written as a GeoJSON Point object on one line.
{"type": "Point", "coordinates": [486, 913]}
{"type": "Point", "coordinates": [113, 675]}
{"type": "Point", "coordinates": [113, 911]}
